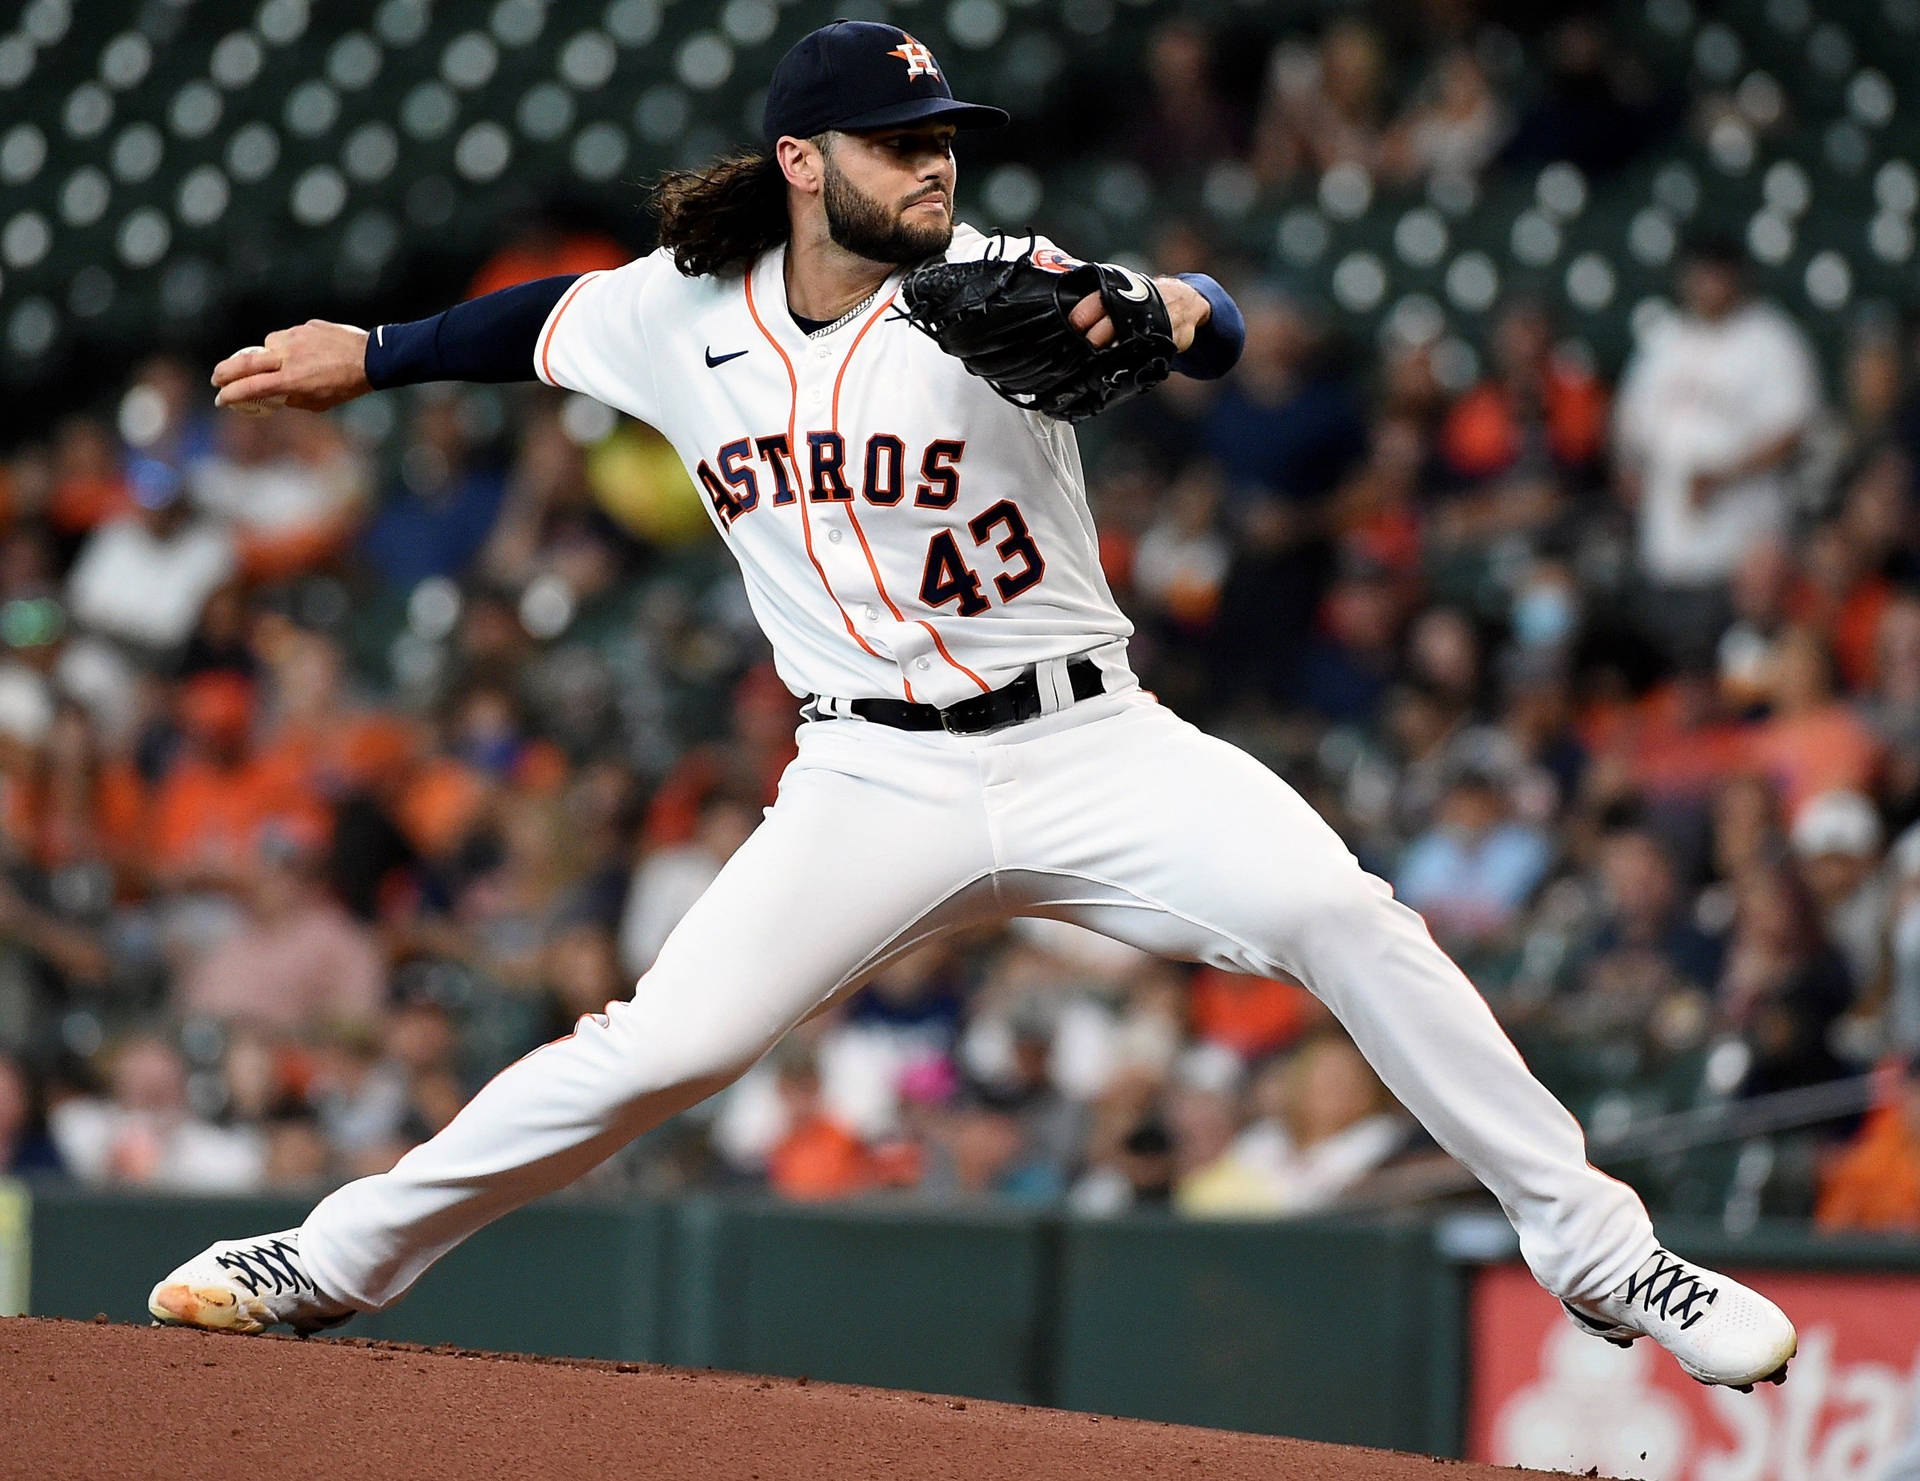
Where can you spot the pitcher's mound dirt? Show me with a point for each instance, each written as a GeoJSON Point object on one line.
{"type": "Point", "coordinates": [96, 1401]}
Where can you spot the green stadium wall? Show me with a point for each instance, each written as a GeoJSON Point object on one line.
{"type": "Point", "coordinates": [1330, 1329]}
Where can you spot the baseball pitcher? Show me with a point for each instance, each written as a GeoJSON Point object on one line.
{"type": "Point", "coordinates": [876, 404]}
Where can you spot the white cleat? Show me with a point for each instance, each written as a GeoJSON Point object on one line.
{"type": "Point", "coordinates": [246, 1285]}
{"type": "Point", "coordinates": [1716, 1329]}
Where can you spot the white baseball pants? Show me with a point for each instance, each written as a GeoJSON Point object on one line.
{"type": "Point", "coordinates": [1114, 814]}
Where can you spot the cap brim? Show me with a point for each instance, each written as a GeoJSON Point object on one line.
{"type": "Point", "coordinates": [927, 110]}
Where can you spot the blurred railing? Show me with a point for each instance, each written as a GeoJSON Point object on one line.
{"type": "Point", "coordinates": [1734, 1120]}
{"type": "Point", "coordinates": [1747, 1124]}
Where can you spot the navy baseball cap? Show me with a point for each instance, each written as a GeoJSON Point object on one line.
{"type": "Point", "coordinates": [862, 75]}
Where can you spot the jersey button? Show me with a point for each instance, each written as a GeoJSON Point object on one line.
{"type": "Point", "coordinates": [872, 614]}
{"type": "Point", "coordinates": [923, 663]}
{"type": "Point", "coordinates": [833, 537]}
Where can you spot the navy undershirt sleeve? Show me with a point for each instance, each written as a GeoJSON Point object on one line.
{"type": "Point", "coordinates": [488, 339]}
{"type": "Point", "coordinates": [492, 338]}
{"type": "Point", "coordinates": [1217, 343]}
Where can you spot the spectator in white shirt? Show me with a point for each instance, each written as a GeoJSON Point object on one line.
{"type": "Point", "coordinates": [669, 880]}
{"type": "Point", "coordinates": [145, 1134]}
{"type": "Point", "coordinates": [145, 577]}
{"type": "Point", "coordinates": [1711, 414]}
{"type": "Point", "coordinates": [288, 489]}
{"type": "Point", "coordinates": [1326, 1124]}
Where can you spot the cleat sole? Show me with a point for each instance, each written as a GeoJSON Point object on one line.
{"type": "Point", "coordinates": [1777, 1376]}
{"type": "Point", "coordinates": [210, 1308]}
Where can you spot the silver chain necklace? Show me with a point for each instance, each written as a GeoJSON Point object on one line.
{"type": "Point", "coordinates": [848, 317]}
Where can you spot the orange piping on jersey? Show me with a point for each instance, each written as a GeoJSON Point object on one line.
{"type": "Point", "coordinates": [873, 565]}
{"type": "Point", "coordinates": [867, 549]}
{"type": "Point", "coordinates": [950, 658]}
{"type": "Point", "coordinates": [546, 340]}
{"type": "Point", "coordinates": [806, 524]}
{"type": "Point", "coordinates": [872, 319]}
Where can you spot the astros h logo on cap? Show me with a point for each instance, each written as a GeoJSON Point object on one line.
{"type": "Point", "coordinates": [918, 59]}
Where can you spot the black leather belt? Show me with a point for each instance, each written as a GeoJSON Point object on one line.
{"type": "Point", "coordinates": [1008, 705]}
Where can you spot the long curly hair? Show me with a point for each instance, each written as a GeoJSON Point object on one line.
{"type": "Point", "coordinates": [718, 220]}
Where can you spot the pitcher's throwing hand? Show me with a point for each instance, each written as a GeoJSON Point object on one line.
{"type": "Point", "coordinates": [315, 366]}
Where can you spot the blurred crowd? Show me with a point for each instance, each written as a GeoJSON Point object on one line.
{"type": "Point", "coordinates": [344, 759]}
{"type": "Point", "coordinates": [1445, 87]}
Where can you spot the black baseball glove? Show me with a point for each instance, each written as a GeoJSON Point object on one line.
{"type": "Point", "coordinates": [1005, 318]}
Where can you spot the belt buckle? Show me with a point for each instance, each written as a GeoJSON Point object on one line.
{"type": "Point", "coordinates": [948, 723]}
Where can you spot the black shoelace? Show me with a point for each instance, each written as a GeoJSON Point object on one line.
{"type": "Point", "coordinates": [271, 1263]}
{"type": "Point", "coordinates": [1673, 1291]}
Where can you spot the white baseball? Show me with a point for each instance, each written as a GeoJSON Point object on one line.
{"type": "Point", "coordinates": [265, 404]}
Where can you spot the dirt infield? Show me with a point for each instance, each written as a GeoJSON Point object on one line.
{"type": "Point", "coordinates": [98, 1401]}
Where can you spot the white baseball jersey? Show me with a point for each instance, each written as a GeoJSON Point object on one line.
{"type": "Point", "coordinates": [904, 532]}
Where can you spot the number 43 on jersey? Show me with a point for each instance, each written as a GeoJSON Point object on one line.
{"type": "Point", "coordinates": [949, 578]}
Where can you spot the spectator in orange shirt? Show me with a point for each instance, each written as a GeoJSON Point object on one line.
{"type": "Point", "coordinates": [1812, 742]}
{"type": "Point", "coordinates": [484, 752]}
{"type": "Point", "coordinates": [209, 808]}
{"type": "Point", "coordinates": [1253, 1016]}
{"type": "Point", "coordinates": [1843, 598]}
{"type": "Point", "coordinates": [313, 731]}
{"type": "Point", "coordinates": [1875, 1184]}
{"type": "Point", "coordinates": [88, 485]}
{"type": "Point", "coordinates": [1539, 412]}
{"type": "Point", "coordinates": [74, 804]}
{"type": "Point", "coordinates": [1680, 744]}
{"type": "Point", "coordinates": [818, 1158]}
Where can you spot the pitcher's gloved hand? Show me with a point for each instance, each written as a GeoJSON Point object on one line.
{"type": "Point", "coordinates": [1006, 318]}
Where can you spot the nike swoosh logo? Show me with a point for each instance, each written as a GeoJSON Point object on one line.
{"type": "Point", "coordinates": [1135, 289]}
{"type": "Point", "coordinates": [713, 359]}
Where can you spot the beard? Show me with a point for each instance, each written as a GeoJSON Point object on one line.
{"type": "Point", "coordinates": [863, 226]}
